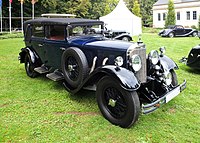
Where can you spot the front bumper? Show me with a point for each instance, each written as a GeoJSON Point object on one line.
{"type": "Point", "coordinates": [148, 108]}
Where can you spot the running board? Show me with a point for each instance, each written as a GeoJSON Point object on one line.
{"type": "Point", "coordinates": [55, 76]}
{"type": "Point", "coordinates": [41, 69]}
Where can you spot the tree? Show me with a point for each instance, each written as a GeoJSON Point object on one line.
{"type": "Point", "coordinates": [199, 23]}
{"type": "Point", "coordinates": [147, 12]}
{"type": "Point", "coordinates": [136, 8]}
{"type": "Point", "coordinates": [171, 18]}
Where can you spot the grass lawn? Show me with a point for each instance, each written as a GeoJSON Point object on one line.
{"type": "Point", "coordinates": [40, 110]}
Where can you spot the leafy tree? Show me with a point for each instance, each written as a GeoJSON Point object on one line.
{"type": "Point", "coordinates": [199, 23]}
{"type": "Point", "coordinates": [147, 12]}
{"type": "Point", "coordinates": [171, 18]}
{"type": "Point", "coordinates": [136, 8]}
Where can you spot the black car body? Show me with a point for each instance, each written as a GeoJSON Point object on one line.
{"type": "Point", "coordinates": [126, 81]}
{"type": "Point", "coordinates": [193, 59]}
{"type": "Point", "coordinates": [178, 31]}
{"type": "Point", "coordinates": [118, 35]}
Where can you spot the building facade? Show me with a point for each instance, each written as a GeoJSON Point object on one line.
{"type": "Point", "coordinates": [187, 12]}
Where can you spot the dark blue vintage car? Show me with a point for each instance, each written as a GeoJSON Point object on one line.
{"type": "Point", "coordinates": [126, 81]}
{"type": "Point", "coordinates": [178, 31]}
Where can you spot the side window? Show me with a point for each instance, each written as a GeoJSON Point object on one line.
{"type": "Point", "coordinates": [55, 32]}
{"type": "Point", "coordinates": [38, 31]}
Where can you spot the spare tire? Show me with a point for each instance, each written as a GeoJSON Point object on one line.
{"type": "Point", "coordinates": [74, 66]}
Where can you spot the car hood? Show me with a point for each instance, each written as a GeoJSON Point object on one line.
{"type": "Point", "coordinates": [100, 42]}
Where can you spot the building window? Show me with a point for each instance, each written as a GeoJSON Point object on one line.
{"type": "Point", "coordinates": [164, 16]}
{"type": "Point", "coordinates": [159, 17]}
{"type": "Point", "coordinates": [178, 16]}
{"type": "Point", "coordinates": [188, 15]}
{"type": "Point", "coordinates": [194, 15]}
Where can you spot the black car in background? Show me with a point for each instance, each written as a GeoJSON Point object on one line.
{"type": "Point", "coordinates": [126, 80]}
{"type": "Point", "coordinates": [178, 31]}
{"type": "Point", "coordinates": [193, 59]}
{"type": "Point", "coordinates": [118, 35]}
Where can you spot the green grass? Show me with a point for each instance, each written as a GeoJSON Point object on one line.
{"type": "Point", "coordinates": [7, 35]}
{"type": "Point", "coordinates": [40, 110]}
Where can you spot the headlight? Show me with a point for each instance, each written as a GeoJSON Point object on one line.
{"type": "Point", "coordinates": [119, 61]}
{"type": "Point", "coordinates": [154, 57]}
{"type": "Point", "coordinates": [168, 77]}
{"type": "Point", "coordinates": [136, 62]}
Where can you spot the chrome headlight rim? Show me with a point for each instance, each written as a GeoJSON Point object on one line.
{"type": "Point", "coordinates": [119, 61]}
{"type": "Point", "coordinates": [136, 62]}
{"type": "Point", "coordinates": [154, 57]}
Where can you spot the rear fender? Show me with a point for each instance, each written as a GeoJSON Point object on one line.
{"type": "Point", "coordinates": [23, 53]}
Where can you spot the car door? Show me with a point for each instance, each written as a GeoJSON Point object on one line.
{"type": "Point", "coordinates": [180, 31]}
{"type": "Point", "coordinates": [37, 41]}
{"type": "Point", "coordinates": [54, 45]}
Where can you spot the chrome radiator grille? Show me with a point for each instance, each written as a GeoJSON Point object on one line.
{"type": "Point", "coordinates": [141, 51]}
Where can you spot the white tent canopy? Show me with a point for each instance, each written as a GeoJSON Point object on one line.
{"type": "Point", "coordinates": [121, 18]}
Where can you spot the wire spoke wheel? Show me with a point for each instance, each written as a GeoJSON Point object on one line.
{"type": "Point", "coordinates": [74, 66]}
{"type": "Point", "coordinates": [118, 106]}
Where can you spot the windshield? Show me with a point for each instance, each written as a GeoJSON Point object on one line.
{"type": "Point", "coordinates": [74, 31]}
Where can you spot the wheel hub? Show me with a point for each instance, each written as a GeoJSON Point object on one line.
{"type": "Point", "coordinates": [70, 68]}
{"type": "Point", "coordinates": [112, 102]}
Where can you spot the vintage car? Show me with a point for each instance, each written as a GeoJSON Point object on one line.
{"type": "Point", "coordinates": [193, 59]}
{"type": "Point", "coordinates": [118, 35]}
{"type": "Point", "coordinates": [178, 31]}
{"type": "Point", "coordinates": [115, 34]}
{"type": "Point", "coordinates": [126, 81]}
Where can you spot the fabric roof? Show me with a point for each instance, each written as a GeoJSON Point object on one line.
{"type": "Point", "coordinates": [64, 21]}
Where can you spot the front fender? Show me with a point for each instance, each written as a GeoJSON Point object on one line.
{"type": "Point", "coordinates": [126, 78]}
{"type": "Point", "coordinates": [168, 63]}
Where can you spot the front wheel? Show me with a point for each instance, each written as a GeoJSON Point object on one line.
{"type": "Point", "coordinates": [171, 35]}
{"type": "Point", "coordinates": [118, 106]}
{"type": "Point", "coordinates": [126, 39]}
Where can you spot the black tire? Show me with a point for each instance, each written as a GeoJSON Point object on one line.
{"type": "Point", "coordinates": [171, 35]}
{"type": "Point", "coordinates": [118, 106]}
{"type": "Point", "coordinates": [29, 67]}
{"type": "Point", "coordinates": [194, 34]}
{"type": "Point", "coordinates": [174, 78]}
{"type": "Point", "coordinates": [74, 66]}
{"type": "Point", "coordinates": [126, 38]}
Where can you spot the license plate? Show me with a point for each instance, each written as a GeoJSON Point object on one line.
{"type": "Point", "coordinates": [172, 94]}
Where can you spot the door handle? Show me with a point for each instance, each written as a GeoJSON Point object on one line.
{"type": "Point", "coordinates": [40, 45]}
{"type": "Point", "coordinates": [62, 48]}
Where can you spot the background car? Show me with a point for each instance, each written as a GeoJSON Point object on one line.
{"type": "Point", "coordinates": [178, 31]}
{"type": "Point", "coordinates": [193, 59]}
{"type": "Point", "coordinates": [126, 80]}
{"type": "Point", "coordinates": [118, 35]}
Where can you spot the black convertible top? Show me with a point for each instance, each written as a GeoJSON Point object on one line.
{"type": "Point", "coordinates": [64, 21]}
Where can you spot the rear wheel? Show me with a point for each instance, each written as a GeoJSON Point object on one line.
{"type": "Point", "coordinates": [29, 67]}
{"type": "Point", "coordinates": [194, 34]}
{"type": "Point", "coordinates": [118, 106]}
